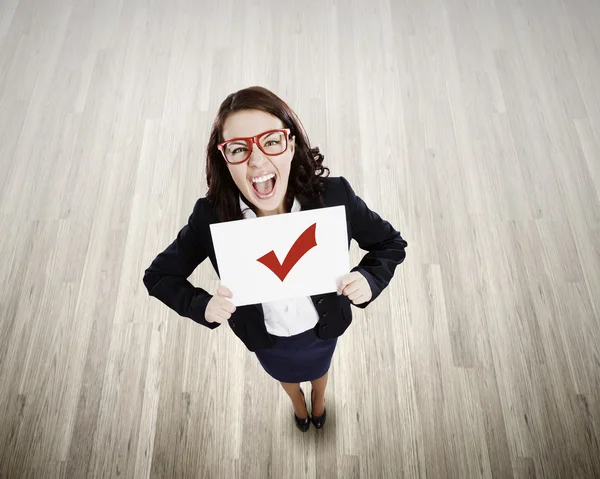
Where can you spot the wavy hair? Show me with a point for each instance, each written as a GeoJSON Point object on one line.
{"type": "Point", "coordinates": [306, 169]}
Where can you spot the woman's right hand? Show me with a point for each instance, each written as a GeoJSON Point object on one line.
{"type": "Point", "coordinates": [219, 309]}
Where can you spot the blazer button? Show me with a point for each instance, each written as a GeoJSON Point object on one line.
{"type": "Point", "coordinates": [324, 314]}
{"type": "Point", "coordinates": [320, 301]}
{"type": "Point", "coordinates": [232, 322]}
{"type": "Point", "coordinates": [323, 327]}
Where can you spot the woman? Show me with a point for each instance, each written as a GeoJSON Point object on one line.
{"type": "Point", "coordinates": [259, 162]}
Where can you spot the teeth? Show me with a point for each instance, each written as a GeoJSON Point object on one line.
{"type": "Point", "coordinates": [260, 179]}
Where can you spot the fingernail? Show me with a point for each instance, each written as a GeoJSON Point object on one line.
{"type": "Point", "coordinates": [339, 294]}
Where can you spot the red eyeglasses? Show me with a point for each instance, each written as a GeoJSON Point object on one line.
{"type": "Point", "coordinates": [271, 143]}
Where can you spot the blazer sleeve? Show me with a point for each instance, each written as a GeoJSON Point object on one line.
{"type": "Point", "coordinates": [385, 246]}
{"type": "Point", "coordinates": [166, 277]}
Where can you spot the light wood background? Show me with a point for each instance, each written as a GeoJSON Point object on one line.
{"type": "Point", "coordinates": [472, 125]}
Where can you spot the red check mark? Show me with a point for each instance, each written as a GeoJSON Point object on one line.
{"type": "Point", "coordinates": [305, 242]}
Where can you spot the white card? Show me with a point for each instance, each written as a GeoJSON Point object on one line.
{"type": "Point", "coordinates": [251, 255]}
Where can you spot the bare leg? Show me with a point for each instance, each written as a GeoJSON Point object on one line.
{"type": "Point", "coordinates": [293, 391]}
{"type": "Point", "coordinates": [318, 394]}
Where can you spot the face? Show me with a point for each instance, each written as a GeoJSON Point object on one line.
{"type": "Point", "coordinates": [268, 196]}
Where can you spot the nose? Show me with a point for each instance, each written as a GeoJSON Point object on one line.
{"type": "Point", "coordinates": [257, 158]}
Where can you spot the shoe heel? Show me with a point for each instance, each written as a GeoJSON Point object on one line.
{"type": "Point", "coordinates": [318, 421]}
{"type": "Point", "coordinates": [303, 424]}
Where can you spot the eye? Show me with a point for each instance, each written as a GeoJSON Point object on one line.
{"type": "Point", "coordinates": [236, 150]}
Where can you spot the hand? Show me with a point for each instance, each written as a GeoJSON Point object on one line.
{"type": "Point", "coordinates": [356, 287]}
{"type": "Point", "coordinates": [219, 309]}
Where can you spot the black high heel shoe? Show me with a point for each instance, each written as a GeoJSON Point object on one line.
{"type": "Point", "coordinates": [303, 424]}
{"type": "Point", "coordinates": [318, 421]}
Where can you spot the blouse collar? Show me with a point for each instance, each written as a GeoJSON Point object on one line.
{"type": "Point", "coordinates": [248, 213]}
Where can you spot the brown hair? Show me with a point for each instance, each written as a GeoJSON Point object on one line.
{"type": "Point", "coordinates": [306, 168]}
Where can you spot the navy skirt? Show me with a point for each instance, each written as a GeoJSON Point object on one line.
{"type": "Point", "coordinates": [299, 358]}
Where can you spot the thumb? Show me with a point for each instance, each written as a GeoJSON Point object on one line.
{"type": "Point", "coordinates": [223, 291]}
{"type": "Point", "coordinates": [345, 281]}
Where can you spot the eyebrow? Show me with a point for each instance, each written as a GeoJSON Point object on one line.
{"type": "Point", "coordinates": [236, 142]}
{"type": "Point", "coordinates": [242, 142]}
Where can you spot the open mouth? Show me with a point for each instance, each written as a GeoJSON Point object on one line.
{"type": "Point", "coordinates": [264, 186]}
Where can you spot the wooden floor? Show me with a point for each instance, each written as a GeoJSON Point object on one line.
{"type": "Point", "coordinates": [472, 125]}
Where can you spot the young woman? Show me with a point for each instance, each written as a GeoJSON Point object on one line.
{"type": "Point", "coordinates": [260, 162]}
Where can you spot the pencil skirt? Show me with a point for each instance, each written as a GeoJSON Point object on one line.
{"type": "Point", "coordinates": [299, 358]}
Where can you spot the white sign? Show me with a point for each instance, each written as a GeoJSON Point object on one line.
{"type": "Point", "coordinates": [282, 256]}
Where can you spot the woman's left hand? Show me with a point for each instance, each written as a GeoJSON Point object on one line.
{"type": "Point", "coordinates": [356, 287]}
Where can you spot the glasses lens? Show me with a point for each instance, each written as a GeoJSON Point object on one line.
{"type": "Point", "coordinates": [273, 143]}
{"type": "Point", "coordinates": [236, 151]}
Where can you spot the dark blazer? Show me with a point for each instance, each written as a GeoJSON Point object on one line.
{"type": "Point", "coordinates": [166, 277]}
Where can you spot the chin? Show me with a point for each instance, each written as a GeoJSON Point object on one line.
{"type": "Point", "coordinates": [267, 205]}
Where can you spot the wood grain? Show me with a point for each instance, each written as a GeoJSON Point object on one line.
{"type": "Point", "coordinates": [472, 126]}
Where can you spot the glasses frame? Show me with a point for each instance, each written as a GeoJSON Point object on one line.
{"type": "Point", "coordinates": [254, 139]}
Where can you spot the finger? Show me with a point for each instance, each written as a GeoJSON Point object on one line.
{"type": "Point", "coordinates": [223, 303]}
{"type": "Point", "coordinates": [227, 306]}
{"type": "Point", "coordinates": [345, 281]}
{"type": "Point", "coordinates": [356, 296]}
{"type": "Point", "coordinates": [347, 278]}
{"type": "Point", "coordinates": [223, 315]}
{"type": "Point", "coordinates": [362, 299]}
{"type": "Point", "coordinates": [213, 317]}
{"type": "Point", "coordinates": [351, 288]}
{"type": "Point", "coordinates": [358, 301]}
{"type": "Point", "coordinates": [224, 291]}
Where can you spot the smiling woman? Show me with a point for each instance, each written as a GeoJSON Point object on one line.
{"type": "Point", "coordinates": [257, 178]}
{"type": "Point", "coordinates": [260, 162]}
{"type": "Point", "coordinates": [259, 149]}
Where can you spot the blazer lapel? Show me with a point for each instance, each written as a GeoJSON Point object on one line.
{"type": "Point", "coordinates": [308, 203]}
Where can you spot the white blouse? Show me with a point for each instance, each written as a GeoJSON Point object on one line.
{"type": "Point", "coordinates": [290, 316]}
